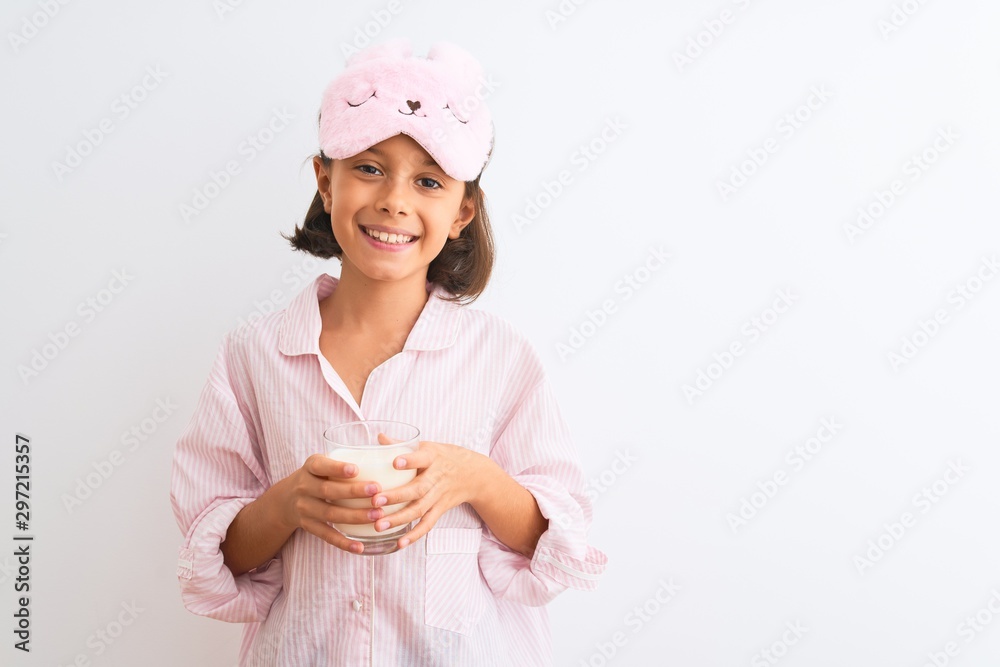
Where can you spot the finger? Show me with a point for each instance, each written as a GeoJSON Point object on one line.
{"type": "Point", "coordinates": [320, 510]}
{"type": "Point", "coordinates": [416, 488]}
{"type": "Point", "coordinates": [415, 460]}
{"type": "Point", "coordinates": [323, 466]}
{"type": "Point", "coordinates": [332, 536]}
{"type": "Point", "coordinates": [383, 439]}
{"type": "Point", "coordinates": [426, 523]}
{"type": "Point", "coordinates": [414, 510]}
{"type": "Point", "coordinates": [332, 489]}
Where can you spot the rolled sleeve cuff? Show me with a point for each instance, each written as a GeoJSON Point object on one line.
{"type": "Point", "coordinates": [208, 587]}
{"type": "Point", "coordinates": [562, 558]}
{"type": "Point", "coordinates": [562, 552]}
{"type": "Point", "coordinates": [570, 571]}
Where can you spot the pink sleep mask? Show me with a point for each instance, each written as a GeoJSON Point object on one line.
{"type": "Point", "coordinates": [385, 91]}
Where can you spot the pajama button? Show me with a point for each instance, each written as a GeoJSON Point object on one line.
{"type": "Point", "coordinates": [357, 605]}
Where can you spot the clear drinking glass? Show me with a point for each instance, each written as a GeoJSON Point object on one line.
{"type": "Point", "coordinates": [358, 443]}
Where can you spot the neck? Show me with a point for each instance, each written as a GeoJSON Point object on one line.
{"type": "Point", "coordinates": [360, 305]}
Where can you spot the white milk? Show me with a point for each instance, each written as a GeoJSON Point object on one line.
{"type": "Point", "coordinates": [374, 465]}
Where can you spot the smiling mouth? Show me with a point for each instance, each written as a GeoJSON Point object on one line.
{"type": "Point", "coordinates": [391, 239]}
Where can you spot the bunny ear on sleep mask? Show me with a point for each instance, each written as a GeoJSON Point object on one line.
{"type": "Point", "coordinates": [384, 90]}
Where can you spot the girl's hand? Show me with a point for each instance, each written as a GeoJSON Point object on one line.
{"type": "Point", "coordinates": [304, 494]}
{"type": "Point", "coordinates": [449, 476]}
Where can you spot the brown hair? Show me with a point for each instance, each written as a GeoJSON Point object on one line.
{"type": "Point", "coordinates": [463, 266]}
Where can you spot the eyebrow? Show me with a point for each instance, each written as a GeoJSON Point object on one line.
{"type": "Point", "coordinates": [427, 163]}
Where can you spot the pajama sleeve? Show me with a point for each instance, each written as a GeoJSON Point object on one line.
{"type": "Point", "coordinates": [536, 449]}
{"type": "Point", "coordinates": [217, 470]}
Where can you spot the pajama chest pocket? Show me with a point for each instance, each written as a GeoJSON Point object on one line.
{"type": "Point", "coordinates": [453, 592]}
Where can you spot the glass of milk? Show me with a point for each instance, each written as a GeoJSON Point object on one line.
{"type": "Point", "coordinates": [358, 443]}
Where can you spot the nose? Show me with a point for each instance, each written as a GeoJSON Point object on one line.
{"type": "Point", "coordinates": [393, 197]}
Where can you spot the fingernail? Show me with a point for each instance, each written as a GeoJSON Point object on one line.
{"type": "Point", "coordinates": [379, 501]}
{"type": "Point", "coordinates": [400, 463]}
{"type": "Point", "coordinates": [374, 514]}
{"type": "Point", "coordinates": [357, 547]}
{"type": "Point", "coordinates": [350, 469]}
{"type": "Point", "coordinates": [403, 542]}
{"type": "Point", "coordinates": [371, 489]}
{"type": "Point", "coordinates": [382, 525]}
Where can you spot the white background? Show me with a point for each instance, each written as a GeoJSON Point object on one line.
{"type": "Point", "coordinates": [655, 185]}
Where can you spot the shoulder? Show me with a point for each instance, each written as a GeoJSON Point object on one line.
{"type": "Point", "coordinates": [490, 333]}
{"type": "Point", "coordinates": [290, 327]}
{"type": "Point", "coordinates": [257, 332]}
{"type": "Point", "coordinates": [484, 320]}
{"type": "Point", "coordinates": [251, 340]}
{"type": "Point", "coordinates": [484, 324]}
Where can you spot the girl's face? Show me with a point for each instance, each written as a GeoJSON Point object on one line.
{"type": "Point", "coordinates": [394, 186]}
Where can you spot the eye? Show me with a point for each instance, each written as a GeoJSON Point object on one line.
{"type": "Point", "coordinates": [363, 167]}
{"type": "Point", "coordinates": [436, 185]}
{"type": "Point", "coordinates": [362, 101]}
{"type": "Point", "coordinates": [463, 122]}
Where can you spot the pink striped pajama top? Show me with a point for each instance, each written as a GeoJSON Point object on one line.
{"type": "Point", "coordinates": [455, 597]}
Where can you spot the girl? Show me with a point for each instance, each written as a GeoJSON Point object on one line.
{"type": "Point", "coordinates": [498, 499]}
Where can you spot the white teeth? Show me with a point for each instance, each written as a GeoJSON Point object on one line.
{"type": "Point", "coordinates": [389, 238]}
